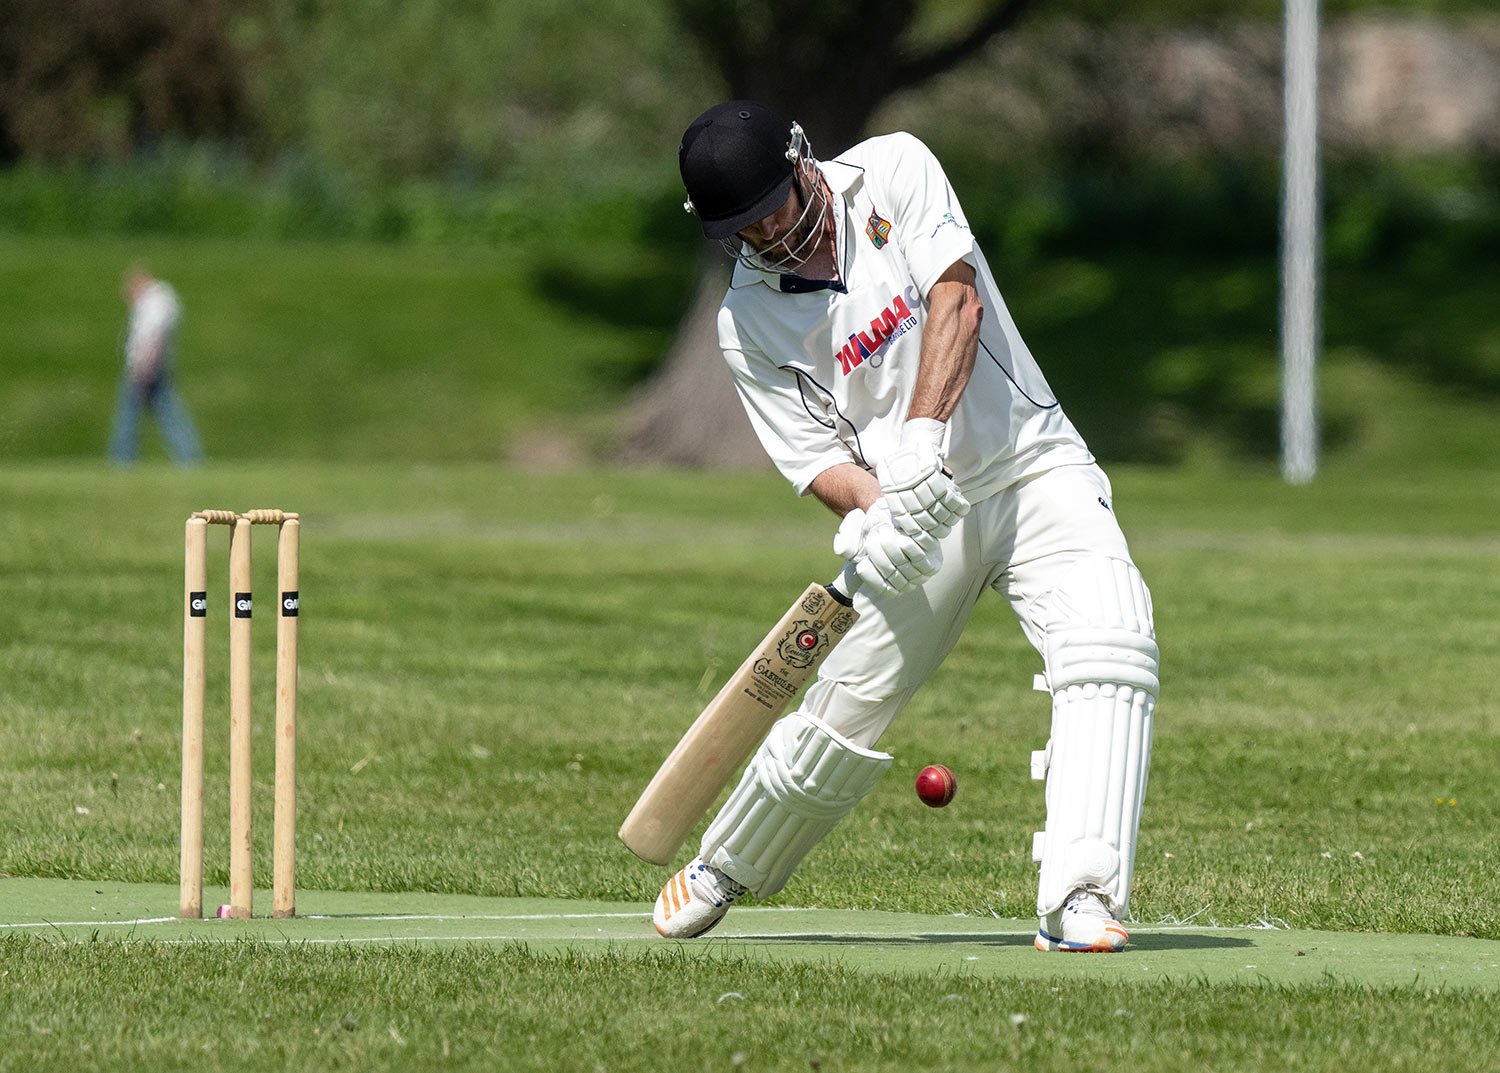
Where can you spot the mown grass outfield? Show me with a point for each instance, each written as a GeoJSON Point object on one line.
{"type": "Point", "coordinates": [493, 663]}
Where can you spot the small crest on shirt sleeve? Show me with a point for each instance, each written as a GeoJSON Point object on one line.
{"type": "Point", "coordinates": [879, 229]}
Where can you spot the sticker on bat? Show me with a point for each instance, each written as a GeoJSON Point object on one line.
{"type": "Point", "coordinates": [802, 644]}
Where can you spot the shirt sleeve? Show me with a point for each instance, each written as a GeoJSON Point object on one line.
{"type": "Point", "coordinates": [927, 221]}
{"type": "Point", "coordinates": [799, 443]}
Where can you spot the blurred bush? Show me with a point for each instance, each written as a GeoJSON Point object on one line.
{"type": "Point", "coordinates": [1418, 212]}
{"type": "Point", "coordinates": [388, 117]}
{"type": "Point", "coordinates": [438, 121]}
{"type": "Point", "coordinates": [201, 191]}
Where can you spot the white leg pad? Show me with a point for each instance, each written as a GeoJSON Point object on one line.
{"type": "Point", "coordinates": [1102, 665]}
{"type": "Point", "coordinates": [801, 782]}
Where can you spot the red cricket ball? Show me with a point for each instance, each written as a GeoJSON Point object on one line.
{"type": "Point", "coordinates": [936, 785]}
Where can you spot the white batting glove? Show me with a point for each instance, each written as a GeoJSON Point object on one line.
{"type": "Point", "coordinates": [886, 558]}
{"type": "Point", "coordinates": [924, 498]}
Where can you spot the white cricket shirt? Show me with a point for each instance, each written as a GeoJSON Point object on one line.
{"type": "Point", "coordinates": [826, 372]}
{"type": "Point", "coordinates": [152, 332]}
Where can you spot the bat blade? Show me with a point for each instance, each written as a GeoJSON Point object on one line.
{"type": "Point", "coordinates": [738, 718]}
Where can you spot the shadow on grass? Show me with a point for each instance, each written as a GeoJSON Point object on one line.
{"type": "Point", "coordinates": [1139, 941]}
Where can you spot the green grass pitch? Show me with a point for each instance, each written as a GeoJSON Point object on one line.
{"type": "Point", "coordinates": [494, 662]}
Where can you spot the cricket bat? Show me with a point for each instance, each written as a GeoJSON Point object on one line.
{"type": "Point", "coordinates": [721, 739]}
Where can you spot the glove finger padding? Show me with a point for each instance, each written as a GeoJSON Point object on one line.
{"type": "Point", "coordinates": [937, 517]}
{"type": "Point", "coordinates": [882, 575]}
{"type": "Point", "coordinates": [892, 560]}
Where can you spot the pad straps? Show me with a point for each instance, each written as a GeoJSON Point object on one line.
{"type": "Point", "coordinates": [801, 782]}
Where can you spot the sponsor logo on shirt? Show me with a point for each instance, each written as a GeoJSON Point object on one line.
{"type": "Point", "coordinates": [894, 321]}
{"type": "Point", "coordinates": [879, 229]}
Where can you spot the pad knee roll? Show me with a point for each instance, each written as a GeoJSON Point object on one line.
{"type": "Point", "coordinates": [801, 782]}
{"type": "Point", "coordinates": [1102, 630]}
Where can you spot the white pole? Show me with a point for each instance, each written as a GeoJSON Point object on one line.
{"type": "Point", "coordinates": [1300, 247]}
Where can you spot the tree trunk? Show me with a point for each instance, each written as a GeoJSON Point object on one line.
{"type": "Point", "coordinates": [688, 413]}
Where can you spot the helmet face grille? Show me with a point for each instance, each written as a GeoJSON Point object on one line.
{"type": "Point", "coordinates": [736, 164]}
{"type": "Point", "coordinates": [791, 251]}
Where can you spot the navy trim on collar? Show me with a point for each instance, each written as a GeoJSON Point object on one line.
{"type": "Point", "coordinates": [798, 285]}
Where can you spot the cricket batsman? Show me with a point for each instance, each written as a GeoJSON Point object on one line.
{"type": "Point", "coordinates": [884, 375]}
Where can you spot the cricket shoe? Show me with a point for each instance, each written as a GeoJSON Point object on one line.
{"type": "Point", "coordinates": [693, 901]}
{"type": "Point", "coordinates": [1083, 925]}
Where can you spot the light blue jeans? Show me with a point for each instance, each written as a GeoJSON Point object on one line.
{"type": "Point", "coordinates": [172, 418]}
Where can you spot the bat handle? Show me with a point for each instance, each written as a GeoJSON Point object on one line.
{"type": "Point", "coordinates": [843, 587]}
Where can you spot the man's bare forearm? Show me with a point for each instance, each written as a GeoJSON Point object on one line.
{"type": "Point", "coordinates": [845, 487]}
{"type": "Point", "coordinates": [950, 342]}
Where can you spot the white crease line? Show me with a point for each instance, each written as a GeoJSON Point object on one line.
{"type": "Point", "coordinates": [719, 941]}
{"type": "Point", "coordinates": [741, 912]}
{"type": "Point", "coordinates": [291, 940]}
{"type": "Point", "coordinates": [642, 914]}
{"type": "Point", "coordinates": [91, 923]}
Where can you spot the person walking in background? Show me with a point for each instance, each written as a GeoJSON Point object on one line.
{"type": "Point", "coordinates": [150, 346]}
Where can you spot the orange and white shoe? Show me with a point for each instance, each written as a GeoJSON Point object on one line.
{"type": "Point", "coordinates": [694, 901]}
{"type": "Point", "coordinates": [1083, 925]}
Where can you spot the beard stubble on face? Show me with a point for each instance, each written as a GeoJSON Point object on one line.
{"type": "Point", "coordinates": [784, 248]}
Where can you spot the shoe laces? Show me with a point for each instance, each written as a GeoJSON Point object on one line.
{"type": "Point", "coordinates": [725, 888]}
{"type": "Point", "coordinates": [1089, 902]}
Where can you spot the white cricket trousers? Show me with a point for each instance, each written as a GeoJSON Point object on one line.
{"type": "Point", "coordinates": [1018, 542]}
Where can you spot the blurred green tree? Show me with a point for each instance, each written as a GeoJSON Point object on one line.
{"type": "Point", "coordinates": [834, 65]}
{"type": "Point", "coordinates": [830, 66]}
{"type": "Point", "coordinates": [524, 93]}
{"type": "Point", "coordinates": [82, 80]}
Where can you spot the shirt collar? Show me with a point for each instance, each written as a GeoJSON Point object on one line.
{"type": "Point", "coordinates": [842, 177]}
{"type": "Point", "coordinates": [842, 180]}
